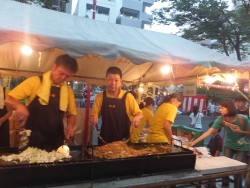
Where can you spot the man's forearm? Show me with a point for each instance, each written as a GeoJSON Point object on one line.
{"type": "Point", "coordinates": [11, 103]}
{"type": "Point", "coordinates": [139, 115]}
{"type": "Point", "coordinates": [168, 132]}
{"type": "Point", "coordinates": [71, 121]}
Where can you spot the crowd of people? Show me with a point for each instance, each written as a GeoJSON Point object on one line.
{"type": "Point", "coordinates": [49, 98]}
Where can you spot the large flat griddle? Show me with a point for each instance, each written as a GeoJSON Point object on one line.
{"type": "Point", "coordinates": [21, 174]}
{"type": "Point", "coordinates": [87, 168]}
{"type": "Point", "coordinates": [179, 159]}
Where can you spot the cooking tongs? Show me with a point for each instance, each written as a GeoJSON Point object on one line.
{"type": "Point", "coordinates": [99, 135]}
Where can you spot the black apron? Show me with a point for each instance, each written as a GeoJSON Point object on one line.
{"type": "Point", "coordinates": [5, 128]}
{"type": "Point", "coordinates": [115, 121]}
{"type": "Point", "coordinates": [46, 121]}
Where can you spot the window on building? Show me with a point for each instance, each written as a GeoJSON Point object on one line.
{"type": "Point", "coordinates": [99, 9]}
{"type": "Point", "coordinates": [89, 7]}
{"type": "Point", "coordinates": [102, 10]}
{"type": "Point", "coordinates": [129, 13]}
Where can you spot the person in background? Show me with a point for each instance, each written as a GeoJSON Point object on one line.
{"type": "Point", "coordinates": [208, 107]}
{"type": "Point", "coordinates": [48, 98]}
{"type": "Point", "coordinates": [242, 108]}
{"type": "Point", "coordinates": [160, 130]}
{"type": "Point", "coordinates": [118, 109]}
{"type": "Point", "coordinates": [215, 147]}
{"type": "Point", "coordinates": [212, 109]}
{"type": "Point", "coordinates": [240, 103]}
{"type": "Point", "coordinates": [236, 141]}
{"type": "Point", "coordinates": [92, 99]}
{"type": "Point", "coordinates": [196, 118]}
{"type": "Point", "coordinates": [146, 107]}
{"type": "Point", "coordinates": [215, 143]}
{"type": "Point", "coordinates": [217, 110]}
{"type": "Point", "coordinates": [134, 94]}
{"type": "Point", "coordinates": [4, 118]}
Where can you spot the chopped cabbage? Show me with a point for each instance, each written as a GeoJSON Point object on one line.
{"type": "Point", "coordinates": [35, 155]}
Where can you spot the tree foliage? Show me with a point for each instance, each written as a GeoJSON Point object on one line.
{"type": "Point", "coordinates": [46, 3]}
{"type": "Point", "coordinates": [210, 19]}
{"type": "Point", "coordinates": [217, 95]}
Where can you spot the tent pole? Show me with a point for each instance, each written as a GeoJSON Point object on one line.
{"type": "Point", "coordinates": [86, 128]}
{"type": "Point", "coordinates": [94, 9]}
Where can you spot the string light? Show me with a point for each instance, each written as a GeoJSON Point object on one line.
{"type": "Point", "coordinates": [230, 78]}
{"type": "Point", "coordinates": [26, 50]}
{"type": "Point", "coordinates": [165, 69]}
{"type": "Point", "coordinates": [209, 80]}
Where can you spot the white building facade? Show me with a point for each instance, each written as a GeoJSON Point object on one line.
{"type": "Point", "coordinates": [125, 12]}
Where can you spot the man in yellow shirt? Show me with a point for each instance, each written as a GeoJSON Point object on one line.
{"type": "Point", "coordinates": [48, 98]}
{"type": "Point", "coordinates": [164, 117]}
{"type": "Point", "coordinates": [118, 109]}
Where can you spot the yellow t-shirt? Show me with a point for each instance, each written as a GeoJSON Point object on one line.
{"type": "Point", "coordinates": [28, 90]}
{"type": "Point", "coordinates": [164, 112]}
{"type": "Point", "coordinates": [132, 107]}
{"type": "Point", "coordinates": [147, 118]}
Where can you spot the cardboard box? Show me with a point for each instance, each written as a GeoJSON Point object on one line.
{"type": "Point", "coordinates": [17, 125]}
{"type": "Point", "coordinates": [12, 138]}
{"type": "Point", "coordinates": [12, 124]}
{"type": "Point", "coordinates": [12, 117]}
{"type": "Point", "coordinates": [17, 138]}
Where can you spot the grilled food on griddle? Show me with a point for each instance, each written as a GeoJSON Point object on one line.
{"type": "Point", "coordinates": [120, 149]}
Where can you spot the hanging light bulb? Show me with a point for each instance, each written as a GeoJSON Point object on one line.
{"type": "Point", "coordinates": [230, 78]}
{"type": "Point", "coordinates": [26, 50]}
{"type": "Point", "coordinates": [165, 69]}
{"type": "Point", "coordinates": [141, 89]}
{"type": "Point", "coordinates": [209, 80]}
{"type": "Point", "coordinates": [141, 85]}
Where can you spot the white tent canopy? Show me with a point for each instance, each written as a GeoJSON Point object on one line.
{"type": "Point", "coordinates": [98, 45]}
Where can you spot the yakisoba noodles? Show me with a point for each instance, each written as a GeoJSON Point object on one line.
{"type": "Point", "coordinates": [120, 149]}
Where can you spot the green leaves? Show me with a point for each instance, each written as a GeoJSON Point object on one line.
{"type": "Point", "coordinates": [46, 3]}
{"type": "Point", "coordinates": [210, 19]}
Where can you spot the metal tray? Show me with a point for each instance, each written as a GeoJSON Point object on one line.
{"type": "Point", "coordinates": [22, 174]}
{"type": "Point", "coordinates": [83, 167]}
{"type": "Point", "coordinates": [180, 159]}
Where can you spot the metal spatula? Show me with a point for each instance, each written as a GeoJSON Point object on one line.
{"type": "Point", "coordinates": [64, 149]}
{"type": "Point", "coordinates": [24, 139]}
{"type": "Point", "coordinates": [129, 139]}
{"type": "Point", "coordinates": [126, 140]}
{"type": "Point", "coordinates": [99, 136]}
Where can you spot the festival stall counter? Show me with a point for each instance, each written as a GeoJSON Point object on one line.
{"type": "Point", "coordinates": [206, 169]}
{"type": "Point", "coordinates": [86, 166]}
{"type": "Point", "coordinates": [143, 171]}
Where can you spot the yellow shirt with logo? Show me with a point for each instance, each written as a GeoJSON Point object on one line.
{"type": "Point", "coordinates": [148, 118]}
{"type": "Point", "coordinates": [164, 112]}
{"type": "Point", "coordinates": [132, 107]}
{"type": "Point", "coordinates": [28, 90]}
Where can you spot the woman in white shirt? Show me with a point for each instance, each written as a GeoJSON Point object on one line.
{"type": "Point", "coordinates": [196, 118]}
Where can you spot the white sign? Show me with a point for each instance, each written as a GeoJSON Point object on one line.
{"type": "Point", "coordinates": [189, 89]}
{"type": "Point", "coordinates": [148, 91]}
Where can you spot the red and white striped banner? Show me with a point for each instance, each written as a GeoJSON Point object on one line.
{"type": "Point", "coordinates": [190, 101]}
